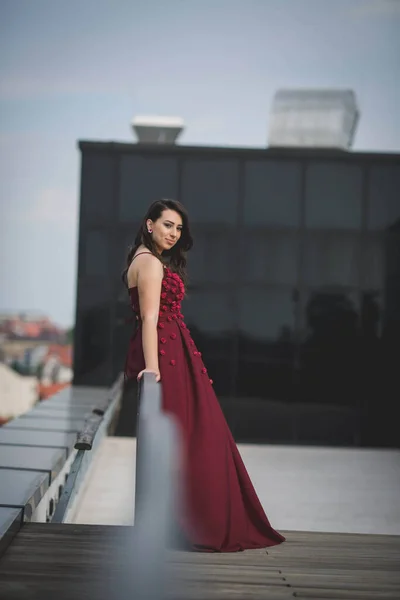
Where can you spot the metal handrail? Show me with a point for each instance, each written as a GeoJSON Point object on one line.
{"type": "Point", "coordinates": [85, 438]}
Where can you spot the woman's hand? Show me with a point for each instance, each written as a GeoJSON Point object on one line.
{"type": "Point", "coordinates": [155, 372]}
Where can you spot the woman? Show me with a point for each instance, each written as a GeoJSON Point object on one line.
{"type": "Point", "coordinates": [223, 510]}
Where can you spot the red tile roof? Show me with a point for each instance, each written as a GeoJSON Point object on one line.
{"type": "Point", "coordinates": [63, 353]}
{"type": "Point", "coordinates": [45, 391]}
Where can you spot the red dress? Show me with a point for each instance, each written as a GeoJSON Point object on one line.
{"type": "Point", "coordinates": [223, 512]}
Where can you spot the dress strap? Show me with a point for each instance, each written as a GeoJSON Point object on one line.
{"type": "Point", "coordinates": [139, 253]}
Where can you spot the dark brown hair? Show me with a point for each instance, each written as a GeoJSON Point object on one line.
{"type": "Point", "coordinates": [175, 258]}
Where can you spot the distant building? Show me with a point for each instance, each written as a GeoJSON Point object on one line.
{"type": "Point", "coordinates": [33, 346]}
{"type": "Point", "coordinates": [30, 326]}
{"type": "Point", "coordinates": [294, 274]}
{"type": "Point", "coordinates": [56, 366]}
{"type": "Point", "coordinates": [17, 393]}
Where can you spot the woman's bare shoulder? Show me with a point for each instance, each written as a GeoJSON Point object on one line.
{"type": "Point", "coordinates": [144, 265]}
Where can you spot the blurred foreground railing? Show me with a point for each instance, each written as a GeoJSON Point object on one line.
{"type": "Point", "coordinates": [93, 430]}
{"type": "Point", "coordinates": [156, 497]}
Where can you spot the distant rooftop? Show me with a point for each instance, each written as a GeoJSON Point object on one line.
{"type": "Point", "coordinates": [26, 316]}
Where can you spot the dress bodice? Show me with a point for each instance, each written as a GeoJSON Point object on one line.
{"type": "Point", "coordinates": [173, 334]}
{"type": "Point", "coordinates": [172, 294]}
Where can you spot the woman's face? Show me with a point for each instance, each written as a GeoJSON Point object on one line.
{"type": "Point", "coordinates": [167, 230]}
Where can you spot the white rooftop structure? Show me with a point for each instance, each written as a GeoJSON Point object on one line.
{"type": "Point", "coordinates": [18, 393]}
{"type": "Point", "coordinates": [313, 118]}
{"type": "Point", "coordinates": [157, 130]}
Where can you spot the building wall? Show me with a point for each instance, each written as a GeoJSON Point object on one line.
{"type": "Point", "coordinates": [294, 292]}
{"type": "Point", "coordinates": [18, 393]}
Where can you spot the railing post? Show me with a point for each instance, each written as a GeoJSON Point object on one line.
{"type": "Point", "coordinates": [157, 450]}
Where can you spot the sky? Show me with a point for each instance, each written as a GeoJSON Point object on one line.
{"type": "Point", "coordinates": [82, 69]}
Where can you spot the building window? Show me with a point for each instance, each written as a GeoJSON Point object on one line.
{"type": "Point", "coordinates": [384, 197]}
{"type": "Point", "coordinates": [330, 358]}
{"type": "Point", "coordinates": [266, 346]}
{"type": "Point", "coordinates": [272, 193]}
{"type": "Point", "coordinates": [211, 260]}
{"type": "Point", "coordinates": [217, 317]}
{"type": "Point", "coordinates": [144, 179]}
{"type": "Point", "coordinates": [96, 254]}
{"type": "Point", "coordinates": [210, 318]}
{"type": "Point", "coordinates": [210, 191]}
{"type": "Point", "coordinates": [93, 365]}
{"type": "Point", "coordinates": [98, 185]}
{"type": "Point", "coordinates": [267, 315]}
{"type": "Point", "coordinates": [333, 196]}
{"type": "Point", "coordinates": [332, 259]}
{"type": "Point", "coordinates": [270, 257]}
{"type": "Point", "coordinates": [374, 261]}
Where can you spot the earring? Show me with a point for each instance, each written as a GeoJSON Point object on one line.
{"type": "Point", "coordinates": [150, 230]}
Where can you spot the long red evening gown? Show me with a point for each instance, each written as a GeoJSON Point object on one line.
{"type": "Point", "coordinates": [224, 513]}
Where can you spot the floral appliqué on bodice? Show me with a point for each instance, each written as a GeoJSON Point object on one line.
{"type": "Point", "coordinates": [170, 317]}
{"type": "Point", "coordinates": [172, 294]}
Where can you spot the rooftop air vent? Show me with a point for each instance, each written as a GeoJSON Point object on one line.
{"type": "Point", "coordinates": [157, 130]}
{"type": "Point", "coordinates": [313, 118]}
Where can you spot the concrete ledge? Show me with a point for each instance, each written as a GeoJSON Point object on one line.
{"type": "Point", "coordinates": [37, 451]}
{"type": "Point", "coordinates": [10, 523]}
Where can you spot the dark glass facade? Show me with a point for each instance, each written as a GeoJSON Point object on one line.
{"type": "Point", "coordinates": [294, 294]}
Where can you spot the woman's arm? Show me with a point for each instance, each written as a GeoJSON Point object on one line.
{"type": "Point", "coordinates": [149, 280]}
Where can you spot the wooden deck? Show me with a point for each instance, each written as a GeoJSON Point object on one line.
{"type": "Point", "coordinates": [47, 561]}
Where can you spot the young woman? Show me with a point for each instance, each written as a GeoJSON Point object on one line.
{"type": "Point", "coordinates": [223, 512]}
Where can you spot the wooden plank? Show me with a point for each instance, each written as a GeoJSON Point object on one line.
{"type": "Point", "coordinates": [345, 594]}
{"type": "Point", "coordinates": [222, 591]}
{"type": "Point", "coordinates": [45, 561]}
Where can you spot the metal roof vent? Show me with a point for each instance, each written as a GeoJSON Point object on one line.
{"type": "Point", "coordinates": [313, 118]}
{"type": "Point", "coordinates": [157, 130]}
